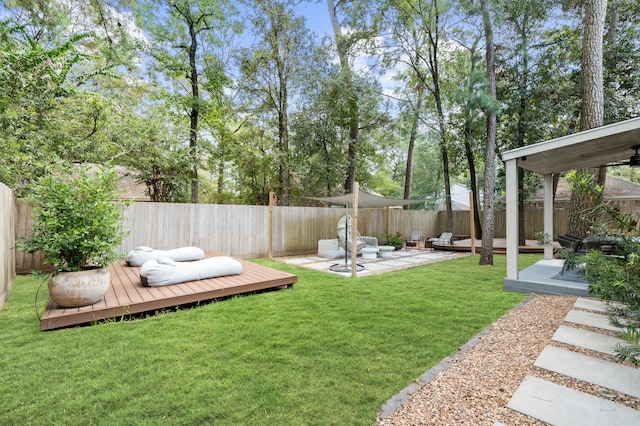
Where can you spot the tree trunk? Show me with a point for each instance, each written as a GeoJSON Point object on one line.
{"type": "Point", "coordinates": [435, 77]}
{"type": "Point", "coordinates": [408, 175]}
{"type": "Point", "coordinates": [473, 178]}
{"type": "Point", "coordinates": [473, 175]}
{"type": "Point", "coordinates": [592, 106]}
{"type": "Point", "coordinates": [444, 153]}
{"type": "Point", "coordinates": [486, 254]}
{"type": "Point", "coordinates": [592, 87]}
{"type": "Point", "coordinates": [193, 128]}
{"type": "Point", "coordinates": [284, 172]}
{"type": "Point", "coordinates": [352, 99]}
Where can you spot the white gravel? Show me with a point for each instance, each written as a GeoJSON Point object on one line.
{"type": "Point", "coordinates": [478, 384]}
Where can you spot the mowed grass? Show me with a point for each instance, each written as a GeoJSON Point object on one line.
{"type": "Point", "coordinates": [330, 351]}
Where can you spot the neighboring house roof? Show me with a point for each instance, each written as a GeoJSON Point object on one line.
{"type": "Point", "coordinates": [614, 187]}
{"type": "Point", "coordinates": [130, 189]}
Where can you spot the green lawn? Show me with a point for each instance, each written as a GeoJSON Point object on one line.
{"type": "Point", "coordinates": [329, 351]}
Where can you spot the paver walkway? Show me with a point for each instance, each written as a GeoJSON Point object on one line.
{"type": "Point", "coordinates": [400, 259]}
{"type": "Point", "coordinates": [559, 405]}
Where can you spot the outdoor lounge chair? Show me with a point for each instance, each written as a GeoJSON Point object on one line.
{"type": "Point", "coordinates": [569, 241]}
{"type": "Point", "coordinates": [415, 239]}
{"type": "Point", "coordinates": [445, 239]}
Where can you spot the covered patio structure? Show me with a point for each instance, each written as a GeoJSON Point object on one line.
{"type": "Point", "coordinates": [591, 148]}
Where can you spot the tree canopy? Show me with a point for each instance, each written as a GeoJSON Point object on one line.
{"type": "Point", "coordinates": [224, 101]}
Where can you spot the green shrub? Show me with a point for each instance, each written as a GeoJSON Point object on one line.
{"type": "Point", "coordinates": [76, 220]}
{"type": "Point", "coordinates": [615, 276]}
{"type": "Point", "coordinates": [395, 239]}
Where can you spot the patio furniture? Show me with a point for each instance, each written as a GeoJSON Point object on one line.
{"type": "Point", "coordinates": [330, 249]}
{"type": "Point", "coordinates": [370, 253]}
{"type": "Point", "coordinates": [345, 229]}
{"type": "Point", "coordinates": [370, 242]}
{"type": "Point", "coordinates": [415, 240]}
{"type": "Point", "coordinates": [445, 239]}
{"type": "Point", "coordinates": [386, 251]}
{"type": "Point", "coordinates": [139, 255]}
{"type": "Point", "coordinates": [166, 271]}
{"type": "Point", "coordinates": [607, 244]}
{"type": "Point", "coordinates": [569, 241]}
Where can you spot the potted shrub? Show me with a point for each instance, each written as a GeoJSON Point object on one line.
{"type": "Point", "coordinates": [77, 227]}
{"type": "Point", "coordinates": [395, 240]}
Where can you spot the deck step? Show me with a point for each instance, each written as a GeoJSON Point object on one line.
{"type": "Point", "coordinates": [598, 342]}
{"type": "Point", "coordinates": [560, 406]}
{"type": "Point", "coordinates": [590, 319]}
{"type": "Point", "coordinates": [603, 373]}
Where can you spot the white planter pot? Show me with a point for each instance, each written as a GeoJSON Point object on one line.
{"type": "Point", "coordinates": [74, 289]}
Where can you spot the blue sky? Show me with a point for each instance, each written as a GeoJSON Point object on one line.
{"type": "Point", "coordinates": [317, 16]}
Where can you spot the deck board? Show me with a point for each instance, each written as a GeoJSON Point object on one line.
{"type": "Point", "coordinates": [127, 295]}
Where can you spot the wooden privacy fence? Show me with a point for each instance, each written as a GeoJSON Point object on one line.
{"type": "Point", "coordinates": [243, 231]}
{"type": "Point", "coordinates": [533, 222]}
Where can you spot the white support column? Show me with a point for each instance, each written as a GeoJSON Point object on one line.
{"type": "Point", "coordinates": [548, 214]}
{"type": "Point", "coordinates": [511, 167]}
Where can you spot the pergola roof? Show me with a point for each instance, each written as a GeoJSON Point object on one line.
{"type": "Point", "coordinates": [590, 148]}
{"type": "Point", "coordinates": [365, 200]}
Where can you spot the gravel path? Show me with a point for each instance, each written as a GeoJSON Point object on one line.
{"type": "Point", "coordinates": [478, 384]}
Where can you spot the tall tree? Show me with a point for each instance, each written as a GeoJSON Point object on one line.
{"type": "Point", "coordinates": [524, 20]}
{"type": "Point", "coordinates": [425, 21]}
{"type": "Point", "coordinates": [281, 52]}
{"type": "Point", "coordinates": [180, 34]}
{"type": "Point", "coordinates": [407, 40]}
{"type": "Point", "coordinates": [432, 16]}
{"type": "Point", "coordinates": [354, 28]}
{"type": "Point", "coordinates": [343, 45]}
{"type": "Point", "coordinates": [413, 135]}
{"type": "Point", "coordinates": [467, 68]}
{"type": "Point", "coordinates": [486, 254]}
{"type": "Point", "coordinates": [592, 106]}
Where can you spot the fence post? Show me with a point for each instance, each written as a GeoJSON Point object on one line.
{"type": "Point", "coordinates": [272, 200]}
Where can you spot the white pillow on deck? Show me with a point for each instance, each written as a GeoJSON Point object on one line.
{"type": "Point", "coordinates": [139, 255]}
{"type": "Point", "coordinates": [166, 271]}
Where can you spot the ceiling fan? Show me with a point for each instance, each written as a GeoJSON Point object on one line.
{"type": "Point", "coordinates": [634, 160]}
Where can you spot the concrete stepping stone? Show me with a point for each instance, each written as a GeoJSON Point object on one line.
{"type": "Point", "coordinates": [560, 406]}
{"type": "Point", "coordinates": [603, 373]}
{"type": "Point", "coordinates": [590, 304]}
{"type": "Point", "coordinates": [590, 319]}
{"type": "Point", "coordinates": [587, 339]}
{"type": "Point", "coordinates": [593, 304]}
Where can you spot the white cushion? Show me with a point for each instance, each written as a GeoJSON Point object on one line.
{"type": "Point", "coordinates": [166, 271]}
{"type": "Point", "coordinates": [330, 249]}
{"type": "Point", "coordinates": [139, 255]}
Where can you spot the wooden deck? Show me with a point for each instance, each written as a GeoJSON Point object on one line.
{"type": "Point", "coordinates": [127, 295]}
{"type": "Point", "coordinates": [499, 246]}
